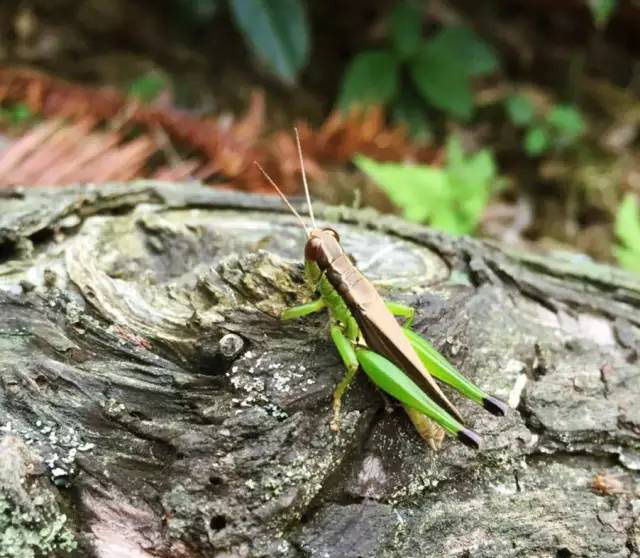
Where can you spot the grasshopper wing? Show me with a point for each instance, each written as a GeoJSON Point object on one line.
{"type": "Point", "coordinates": [384, 335]}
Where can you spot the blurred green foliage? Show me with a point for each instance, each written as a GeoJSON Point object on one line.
{"type": "Point", "coordinates": [520, 110]}
{"type": "Point", "coordinates": [17, 114]}
{"type": "Point", "coordinates": [627, 228]}
{"type": "Point", "coordinates": [411, 70]}
{"type": "Point", "coordinates": [196, 11]}
{"type": "Point", "coordinates": [148, 86]}
{"type": "Point", "coordinates": [602, 10]}
{"type": "Point", "coordinates": [415, 75]}
{"type": "Point", "coordinates": [451, 198]}
{"type": "Point", "coordinates": [277, 31]}
{"type": "Point", "coordinates": [371, 79]}
{"type": "Point", "coordinates": [559, 128]}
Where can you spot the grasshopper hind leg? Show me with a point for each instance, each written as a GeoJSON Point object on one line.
{"type": "Point", "coordinates": [438, 366]}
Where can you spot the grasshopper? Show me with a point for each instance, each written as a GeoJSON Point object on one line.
{"type": "Point", "coordinates": [366, 334]}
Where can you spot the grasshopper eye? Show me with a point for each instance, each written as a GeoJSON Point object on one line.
{"type": "Point", "coordinates": [313, 249]}
{"type": "Point", "coordinates": [334, 233]}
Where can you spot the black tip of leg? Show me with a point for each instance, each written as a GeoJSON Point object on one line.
{"type": "Point", "coordinates": [469, 438]}
{"type": "Point", "coordinates": [495, 406]}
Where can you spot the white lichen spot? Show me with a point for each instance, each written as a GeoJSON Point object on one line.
{"type": "Point", "coordinates": [372, 475]}
{"type": "Point", "coordinates": [505, 490]}
{"type": "Point", "coordinates": [516, 391]}
{"type": "Point", "coordinates": [58, 472]}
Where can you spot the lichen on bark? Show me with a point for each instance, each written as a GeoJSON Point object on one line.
{"type": "Point", "coordinates": [32, 522]}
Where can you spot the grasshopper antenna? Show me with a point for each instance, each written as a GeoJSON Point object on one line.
{"type": "Point", "coordinates": [284, 198]}
{"type": "Point", "coordinates": [304, 179]}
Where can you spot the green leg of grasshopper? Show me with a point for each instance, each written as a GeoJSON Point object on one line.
{"type": "Point", "coordinates": [348, 355]}
{"type": "Point", "coordinates": [401, 310]}
{"type": "Point", "coordinates": [441, 368]}
{"type": "Point", "coordinates": [303, 310]}
{"type": "Point", "coordinates": [428, 429]}
{"type": "Point", "coordinates": [388, 377]}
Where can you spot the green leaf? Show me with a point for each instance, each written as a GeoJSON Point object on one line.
{"type": "Point", "coordinates": [405, 29]}
{"type": "Point", "coordinates": [461, 46]}
{"type": "Point", "coordinates": [536, 141]}
{"type": "Point", "coordinates": [370, 78]}
{"type": "Point", "coordinates": [519, 109]}
{"type": "Point", "coordinates": [567, 122]}
{"type": "Point", "coordinates": [627, 229]}
{"type": "Point", "coordinates": [278, 32]}
{"type": "Point", "coordinates": [417, 189]}
{"type": "Point", "coordinates": [409, 109]}
{"type": "Point", "coordinates": [442, 81]}
{"type": "Point", "coordinates": [628, 259]}
{"type": "Point", "coordinates": [602, 10]}
{"type": "Point", "coordinates": [470, 179]}
{"type": "Point", "coordinates": [20, 113]}
{"type": "Point", "coordinates": [451, 198]}
{"type": "Point", "coordinates": [442, 66]}
{"type": "Point", "coordinates": [627, 224]}
{"type": "Point", "coordinates": [198, 11]}
{"type": "Point", "coordinates": [149, 86]}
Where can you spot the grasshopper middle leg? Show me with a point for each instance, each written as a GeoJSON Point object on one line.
{"type": "Point", "coordinates": [401, 310]}
{"type": "Point", "coordinates": [348, 355]}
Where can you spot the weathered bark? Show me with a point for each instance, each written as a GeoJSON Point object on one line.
{"type": "Point", "coordinates": [144, 371]}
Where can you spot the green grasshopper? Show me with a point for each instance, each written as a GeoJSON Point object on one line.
{"type": "Point", "coordinates": [366, 334]}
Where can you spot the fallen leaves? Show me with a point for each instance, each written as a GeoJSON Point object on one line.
{"type": "Point", "coordinates": [94, 135]}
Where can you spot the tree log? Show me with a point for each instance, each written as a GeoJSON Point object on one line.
{"type": "Point", "coordinates": [152, 404]}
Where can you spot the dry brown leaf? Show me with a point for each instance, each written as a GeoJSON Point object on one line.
{"type": "Point", "coordinates": [218, 149]}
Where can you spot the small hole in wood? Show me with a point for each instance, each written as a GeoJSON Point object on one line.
{"type": "Point", "coordinates": [218, 522]}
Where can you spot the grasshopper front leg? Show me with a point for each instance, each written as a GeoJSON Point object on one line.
{"type": "Point", "coordinates": [342, 342]}
{"type": "Point", "coordinates": [303, 309]}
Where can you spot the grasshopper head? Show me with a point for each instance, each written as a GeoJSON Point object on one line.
{"type": "Point", "coordinates": [323, 247]}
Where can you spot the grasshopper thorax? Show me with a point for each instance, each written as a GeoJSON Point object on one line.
{"type": "Point", "coordinates": [323, 247]}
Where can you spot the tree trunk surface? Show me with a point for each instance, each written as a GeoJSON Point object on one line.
{"type": "Point", "coordinates": [152, 404]}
